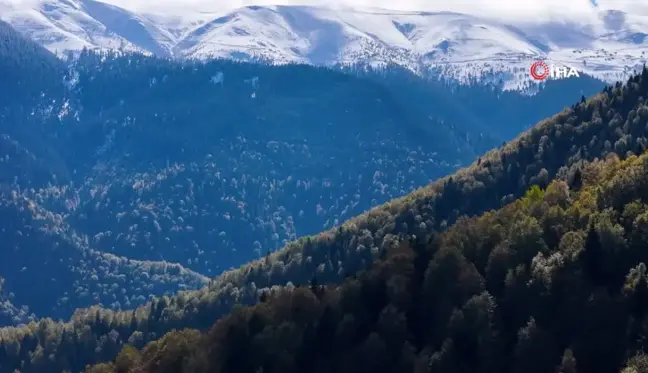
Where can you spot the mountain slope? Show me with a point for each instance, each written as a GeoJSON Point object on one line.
{"type": "Point", "coordinates": [21, 56]}
{"type": "Point", "coordinates": [79, 275]}
{"type": "Point", "coordinates": [611, 122]}
{"type": "Point", "coordinates": [141, 160]}
{"type": "Point", "coordinates": [547, 283]}
{"type": "Point", "coordinates": [33, 78]}
{"type": "Point", "coordinates": [47, 267]}
{"type": "Point", "coordinates": [174, 164]}
{"type": "Point", "coordinates": [70, 26]}
{"type": "Point", "coordinates": [456, 46]}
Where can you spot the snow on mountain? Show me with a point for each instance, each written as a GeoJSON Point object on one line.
{"type": "Point", "coordinates": [457, 46]}
{"type": "Point", "coordinates": [62, 26]}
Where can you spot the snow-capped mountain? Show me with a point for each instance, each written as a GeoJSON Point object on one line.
{"type": "Point", "coordinates": [454, 45]}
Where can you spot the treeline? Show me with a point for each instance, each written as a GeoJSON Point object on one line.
{"type": "Point", "coordinates": [613, 121]}
{"type": "Point", "coordinates": [553, 282]}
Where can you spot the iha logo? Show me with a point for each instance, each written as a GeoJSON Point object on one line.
{"type": "Point", "coordinates": [541, 71]}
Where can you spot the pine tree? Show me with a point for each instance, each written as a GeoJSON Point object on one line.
{"type": "Point", "coordinates": [577, 180]}
{"type": "Point", "coordinates": [592, 257]}
{"type": "Point", "coordinates": [534, 352]}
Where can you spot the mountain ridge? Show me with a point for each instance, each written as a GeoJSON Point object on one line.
{"type": "Point", "coordinates": [449, 45]}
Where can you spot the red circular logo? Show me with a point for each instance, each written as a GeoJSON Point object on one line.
{"type": "Point", "coordinates": [539, 70]}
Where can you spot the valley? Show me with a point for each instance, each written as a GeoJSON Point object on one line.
{"type": "Point", "coordinates": [356, 204]}
{"type": "Point", "coordinates": [129, 164]}
{"type": "Point", "coordinates": [542, 190]}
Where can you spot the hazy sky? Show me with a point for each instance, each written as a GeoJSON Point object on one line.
{"type": "Point", "coordinates": [506, 8]}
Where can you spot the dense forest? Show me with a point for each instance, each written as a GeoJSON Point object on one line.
{"type": "Point", "coordinates": [124, 177]}
{"type": "Point", "coordinates": [585, 201]}
{"type": "Point", "coordinates": [553, 282]}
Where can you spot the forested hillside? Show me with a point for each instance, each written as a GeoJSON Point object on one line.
{"type": "Point", "coordinates": [31, 77]}
{"type": "Point", "coordinates": [611, 122]}
{"type": "Point", "coordinates": [554, 282]}
{"type": "Point", "coordinates": [38, 243]}
{"type": "Point", "coordinates": [112, 164]}
{"type": "Point", "coordinates": [27, 69]}
{"type": "Point", "coordinates": [47, 267]}
{"type": "Point", "coordinates": [484, 110]}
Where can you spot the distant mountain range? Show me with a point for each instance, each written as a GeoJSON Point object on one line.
{"type": "Point", "coordinates": [451, 45]}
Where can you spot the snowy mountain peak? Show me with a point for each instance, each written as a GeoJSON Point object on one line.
{"type": "Point", "coordinates": [455, 45]}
